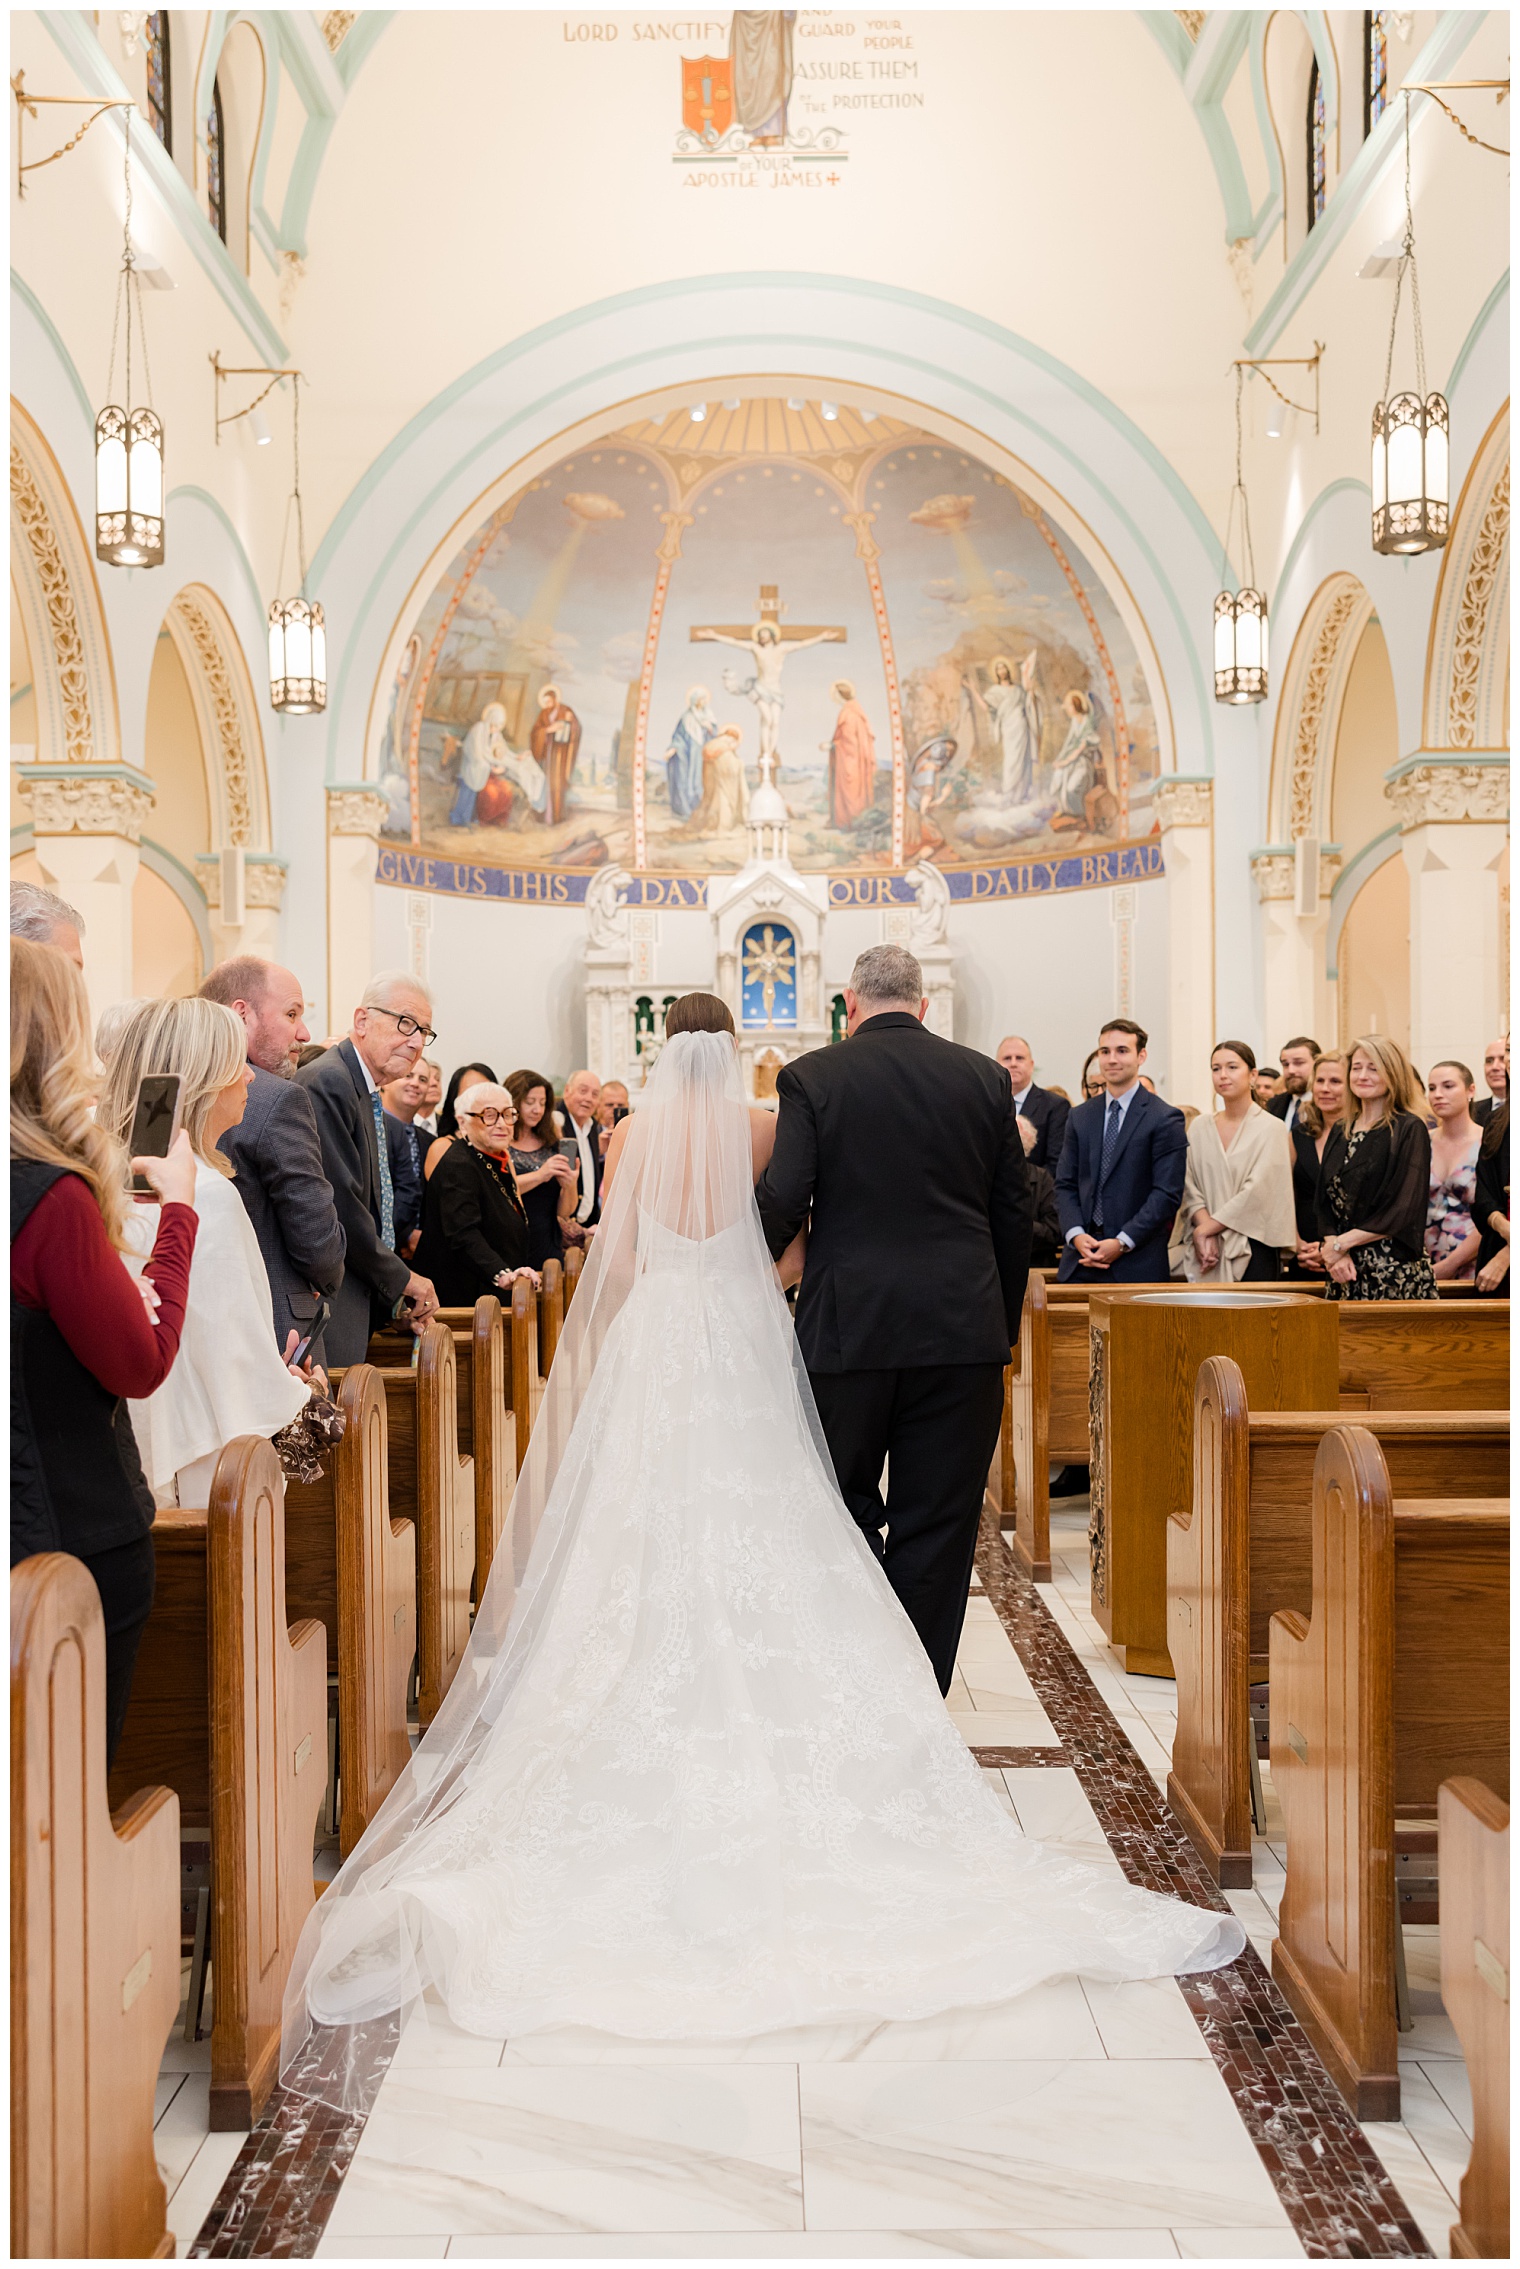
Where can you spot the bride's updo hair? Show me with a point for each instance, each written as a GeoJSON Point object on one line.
{"type": "Point", "coordinates": [697, 1012]}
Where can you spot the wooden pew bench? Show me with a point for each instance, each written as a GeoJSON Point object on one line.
{"type": "Point", "coordinates": [229, 1709]}
{"type": "Point", "coordinates": [1045, 1414]}
{"type": "Point", "coordinates": [433, 1487]}
{"type": "Point", "coordinates": [1424, 1355]}
{"type": "Point", "coordinates": [1396, 1681]}
{"type": "Point", "coordinates": [1474, 1845]}
{"type": "Point", "coordinates": [1243, 1551]}
{"type": "Point", "coordinates": [94, 1943]}
{"type": "Point", "coordinates": [487, 1426]}
{"type": "Point", "coordinates": [354, 1567]}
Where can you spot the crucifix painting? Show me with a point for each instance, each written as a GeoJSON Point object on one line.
{"type": "Point", "coordinates": [767, 642]}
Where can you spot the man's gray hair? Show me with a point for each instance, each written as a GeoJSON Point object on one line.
{"type": "Point", "coordinates": [36, 913]}
{"type": "Point", "coordinates": [378, 991]}
{"type": "Point", "coordinates": [888, 973]}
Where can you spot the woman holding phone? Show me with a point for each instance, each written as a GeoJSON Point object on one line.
{"type": "Point", "coordinates": [83, 1336]}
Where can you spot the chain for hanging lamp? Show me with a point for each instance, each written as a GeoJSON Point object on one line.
{"type": "Point", "coordinates": [1411, 432]}
{"type": "Point", "coordinates": [129, 438]}
{"type": "Point", "coordinates": [1240, 616]}
{"type": "Point", "coordinates": [297, 630]}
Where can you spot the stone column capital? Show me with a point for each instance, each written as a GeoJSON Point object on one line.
{"type": "Point", "coordinates": [1428, 787]}
{"type": "Point", "coordinates": [264, 875]}
{"type": "Point", "coordinates": [1272, 873]}
{"type": "Point", "coordinates": [355, 808]}
{"type": "Point", "coordinates": [85, 799]}
{"type": "Point", "coordinates": [1184, 800]}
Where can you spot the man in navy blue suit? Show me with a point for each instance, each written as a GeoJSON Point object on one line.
{"type": "Point", "coordinates": [1119, 1182]}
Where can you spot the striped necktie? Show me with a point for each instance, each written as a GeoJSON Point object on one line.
{"type": "Point", "coordinates": [1111, 1127]}
{"type": "Point", "coordinates": [387, 1188]}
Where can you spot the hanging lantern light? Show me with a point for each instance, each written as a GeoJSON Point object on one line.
{"type": "Point", "coordinates": [297, 631]}
{"type": "Point", "coordinates": [129, 442]}
{"type": "Point", "coordinates": [1411, 433]}
{"type": "Point", "coordinates": [1240, 616]}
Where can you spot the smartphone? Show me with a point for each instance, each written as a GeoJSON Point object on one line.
{"type": "Point", "coordinates": [319, 1325]}
{"type": "Point", "coordinates": [155, 1122]}
{"type": "Point", "coordinates": [619, 1112]}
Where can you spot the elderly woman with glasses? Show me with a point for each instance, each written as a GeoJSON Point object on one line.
{"type": "Point", "coordinates": [474, 1229]}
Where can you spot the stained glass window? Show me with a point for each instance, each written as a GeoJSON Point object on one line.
{"type": "Point", "coordinates": [156, 42]}
{"type": "Point", "coordinates": [216, 179]}
{"type": "Point", "coordinates": [1376, 85]}
{"type": "Point", "coordinates": [1316, 143]}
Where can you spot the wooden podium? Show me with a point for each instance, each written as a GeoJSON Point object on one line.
{"type": "Point", "coordinates": [1146, 1348]}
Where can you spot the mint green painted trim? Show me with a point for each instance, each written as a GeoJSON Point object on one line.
{"type": "Point", "coordinates": [1205, 72]}
{"type": "Point", "coordinates": [35, 308]}
{"type": "Point", "coordinates": [19, 693]}
{"type": "Point", "coordinates": [351, 56]}
{"type": "Point", "coordinates": [489, 443]}
{"type": "Point", "coordinates": [1438, 760]}
{"type": "Point", "coordinates": [306, 58]}
{"type": "Point", "coordinates": [1301, 536]}
{"type": "Point", "coordinates": [76, 41]}
{"type": "Point", "coordinates": [264, 234]}
{"type": "Point", "coordinates": [1348, 882]}
{"type": "Point", "coordinates": [1220, 45]}
{"type": "Point", "coordinates": [218, 512]}
{"type": "Point", "coordinates": [1170, 37]}
{"type": "Point", "coordinates": [1274, 204]}
{"type": "Point", "coordinates": [302, 185]}
{"type": "Point", "coordinates": [1317, 25]}
{"type": "Point", "coordinates": [1479, 325]}
{"type": "Point", "coordinates": [218, 24]}
{"type": "Point", "coordinates": [261, 225]}
{"type": "Point", "coordinates": [127, 772]}
{"type": "Point", "coordinates": [1380, 154]}
{"type": "Point", "coordinates": [186, 889]}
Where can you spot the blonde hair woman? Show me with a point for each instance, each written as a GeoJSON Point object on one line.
{"type": "Point", "coordinates": [1238, 1197]}
{"type": "Point", "coordinates": [229, 1379]}
{"type": "Point", "coordinates": [1318, 1111]}
{"type": "Point", "coordinates": [1374, 1184]}
{"type": "Point", "coordinates": [82, 1338]}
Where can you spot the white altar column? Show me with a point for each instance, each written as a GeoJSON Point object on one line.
{"type": "Point", "coordinates": [355, 815]}
{"type": "Point", "coordinates": [1454, 822]}
{"type": "Point", "coordinates": [87, 821]}
{"type": "Point", "coordinates": [1185, 808]}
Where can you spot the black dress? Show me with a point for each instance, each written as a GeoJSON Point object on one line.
{"type": "Point", "coordinates": [1305, 1199]}
{"type": "Point", "coordinates": [1380, 1181]}
{"type": "Point", "coordinates": [473, 1226]}
{"type": "Point", "coordinates": [545, 1240]}
{"type": "Point", "coordinates": [1492, 1197]}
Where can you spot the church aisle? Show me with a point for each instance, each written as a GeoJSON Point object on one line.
{"type": "Point", "coordinates": [1085, 2122]}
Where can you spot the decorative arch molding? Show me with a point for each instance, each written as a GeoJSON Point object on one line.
{"type": "Point", "coordinates": [1467, 658]}
{"type": "Point", "coordinates": [1309, 709]}
{"type": "Point", "coordinates": [226, 714]}
{"type": "Point", "coordinates": [78, 721]}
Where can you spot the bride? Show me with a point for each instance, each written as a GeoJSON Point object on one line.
{"type": "Point", "coordinates": [696, 1780]}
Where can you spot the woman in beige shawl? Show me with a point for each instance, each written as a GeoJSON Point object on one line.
{"type": "Point", "coordinates": [1238, 1199]}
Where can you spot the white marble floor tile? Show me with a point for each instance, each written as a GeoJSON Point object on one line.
{"type": "Point", "coordinates": [999, 1787]}
{"type": "Point", "coordinates": [980, 2146]}
{"type": "Point", "coordinates": [1238, 2245]}
{"type": "Point", "coordinates": [1147, 2017]}
{"type": "Point", "coordinates": [197, 2193]}
{"type": "Point", "coordinates": [599, 2148]}
{"type": "Point", "coordinates": [1434, 2126]}
{"type": "Point", "coordinates": [1433, 2034]}
{"type": "Point", "coordinates": [168, 2085]}
{"type": "Point", "coordinates": [432, 2041]}
{"type": "Point", "coordinates": [836, 2245]}
{"type": "Point", "coordinates": [959, 1696]}
{"type": "Point", "coordinates": [179, 2133]}
{"type": "Point", "coordinates": [382, 2249]}
{"type": "Point", "coordinates": [1051, 1807]}
{"type": "Point", "coordinates": [1006, 1725]}
{"type": "Point", "coordinates": [1153, 1754]}
{"type": "Point", "coordinates": [1261, 1926]}
{"type": "Point", "coordinates": [1432, 2205]}
{"type": "Point", "coordinates": [1448, 2076]}
{"type": "Point", "coordinates": [998, 1682]}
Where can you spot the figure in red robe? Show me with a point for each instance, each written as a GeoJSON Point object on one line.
{"type": "Point", "coordinates": [555, 738]}
{"type": "Point", "coordinates": [852, 760]}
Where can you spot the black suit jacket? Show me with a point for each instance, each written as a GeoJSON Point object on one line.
{"type": "Point", "coordinates": [404, 1147]}
{"type": "Point", "coordinates": [598, 1165]}
{"type": "Point", "coordinates": [1048, 1115]}
{"type": "Point", "coordinates": [904, 1149]}
{"type": "Point", "coordinates": [1278, 1105]}
{"type": "Point", "coordinates": [375, 1276]}
{"type": "Point", "coordinates": [1143, 1189]}
{"type": "Point", "coordinates": [276, 1157]}
{"type": "Point", "coordinates": [473, 1226]}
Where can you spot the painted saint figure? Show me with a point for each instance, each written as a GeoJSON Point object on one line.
{"type": "Point", "coordinates": [852, 760]}
{"type": "Point", "coordinates": [927, 787]}
{"type": "Point", "coordinates": [1014, 709]}
{"type": "Point", "coordinates": [725, 794]}
{"type": "Point", "coordinates": [491, 772]}
{"type": "Point", "coordinates": [555, 739]}
{"type": "Point", "coordinates": [768, 654]}
{"type": "Point", "coordinates": [1078, 767]}
{"type": "Point", "coordinates": [760, 57]}
{"type": "Point", "coordinates": [683, 758]}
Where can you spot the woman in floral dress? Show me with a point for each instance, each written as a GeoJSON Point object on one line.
{"type": "Point", "coordinates": [1452, 1235]}
{"type": "Point", "coordinates": [1374, 1189]}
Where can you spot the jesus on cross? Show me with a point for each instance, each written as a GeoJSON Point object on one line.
{"type": "Point", "coordinates": [766, 643]}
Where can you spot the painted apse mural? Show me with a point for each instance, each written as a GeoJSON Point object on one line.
{"type": "Point", "coordinates": [882, 625]}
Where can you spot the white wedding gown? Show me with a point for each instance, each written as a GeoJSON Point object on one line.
{"type": "Point", "coordinates": [698, 1781]}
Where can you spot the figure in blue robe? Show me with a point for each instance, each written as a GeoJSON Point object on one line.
{"type": "Point", "coordinates": [683, 758]}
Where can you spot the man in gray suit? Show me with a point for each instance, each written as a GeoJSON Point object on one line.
{"type": "Point", "coordinates": [389, 1032]}
{"type": "Point", "coordinates": [275, 1152]}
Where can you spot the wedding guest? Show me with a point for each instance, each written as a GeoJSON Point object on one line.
{"type": "Point", "coordinates": [1452, 1237]}
{"type": "Point", "coordinates": [112, 1023]}
{"type": "Point", "coordinates": [466, 1076]}
{"type": "Point", "coordinates": [611, 1105]}
{"type": "Point", "coordinates": [1122, 1169]}
{"type": "Point", "coordinates": [83, 1338]}
{"type": "Point", "coordinates": [1045, 1225]}
{"type": "Point", "coordinates": [1374, 1185]}
{"type": "Point", "coordinates": [402, 1099]}
{"type": "Point", "coordinates": [1266, 1088]}
{"type": "Point", "coordinates": [1495, 1079]}
{"type": "Point", "coordinates": [1317, 1114]}
{"type": "Point", "coordinates": [1046, 1112]}
{"type": "Point", "coordinates": [581, 1091]}
{"type": "Point", "coordinates": [1297, 1058]}
{"type": "Point", "coordinates": [1492, 1206]}
{"type": "Point", "coordinates": [230, 1378]}
{"type": "Point", "coordinates": [474, 1227]}
{"type": "Point", "coordinates": [1052, 1089]}
{"type": "Point", "coordinates": [426, 1121]}
{"type": "Point", "coordinates": [1091, 1082]}
{"type": "Point", "coordinates": [276, 1153]}
{"type": "Point", "coordinates": [1238, 1195]}
{"type": "Point", "coordinates": [309, 1053]}
{"type": "Point", "coordinates": [46, 919]}
{"type": "Point", "coordinates": [546, 1182]}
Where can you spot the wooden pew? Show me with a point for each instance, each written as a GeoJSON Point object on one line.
{"type": "Point", "coordinates": [432, 1486]}
{"type": "Point", "coordinates": [487, 1426]}
{"type": "Point", "coordinates": [1243, 1550]}
{"type": "Point", "coordinates": [527, 1378]}
{"type": "Point", "coordinates": [354, 1567]}
{"type": "Point", "coordinates": [1045, 1412]}
{"type": "Point", "coordinates": [575, 1261]}
{"type": "Point", "coordinates": [229, 1707]}
{"type": "Point", "coordinates": [94, 1943]}
{"type": "Point", "coordinates": [551, 1315]}
{"type": "Point", "coordinates": [1002, 1482]}
{"type": "Point", "coordinates": [1474, 1845]}
{"type": "Point", "coordinates": [1424, 1354]}
{"type": "Point", "coordinates": [1398, 1680]}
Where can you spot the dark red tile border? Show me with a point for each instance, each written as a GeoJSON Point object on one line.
{"type": "Point", "coordinates": [1020, 1757]}
{"type": "Point", "coordinates": [1332, 2185]}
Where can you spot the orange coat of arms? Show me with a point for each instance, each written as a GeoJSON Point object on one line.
{"type": "Point", "coordinates": [707, 95]}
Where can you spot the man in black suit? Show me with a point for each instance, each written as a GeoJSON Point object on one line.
{"type": "Point", "coordinates": [1123, 1163]}
{"type": "Point", "coordinates": [275, 1151]}
{"type": "Point", "coordinates": [582, 1092]}
{"type": "Point", "coordinates": [905, 1150]}
{"type": "Point", "coordinates": [1045, 1112]}
{"type": "Point", "coordinates": [1296, 1058]}
{"type": "Point", "coordinates": [1496, 1078]}
{"type": "Point", "coordinates": [390, 1030]}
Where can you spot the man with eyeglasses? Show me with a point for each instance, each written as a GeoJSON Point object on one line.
{"type": "Point", "coordinates": [391, 1027]}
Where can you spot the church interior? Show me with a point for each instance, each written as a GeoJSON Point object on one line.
{"type": "Point", "coordinates": [463, 530]}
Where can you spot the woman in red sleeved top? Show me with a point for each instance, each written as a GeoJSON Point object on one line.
{"type": "Point", "coordinates": [82, 1334]}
